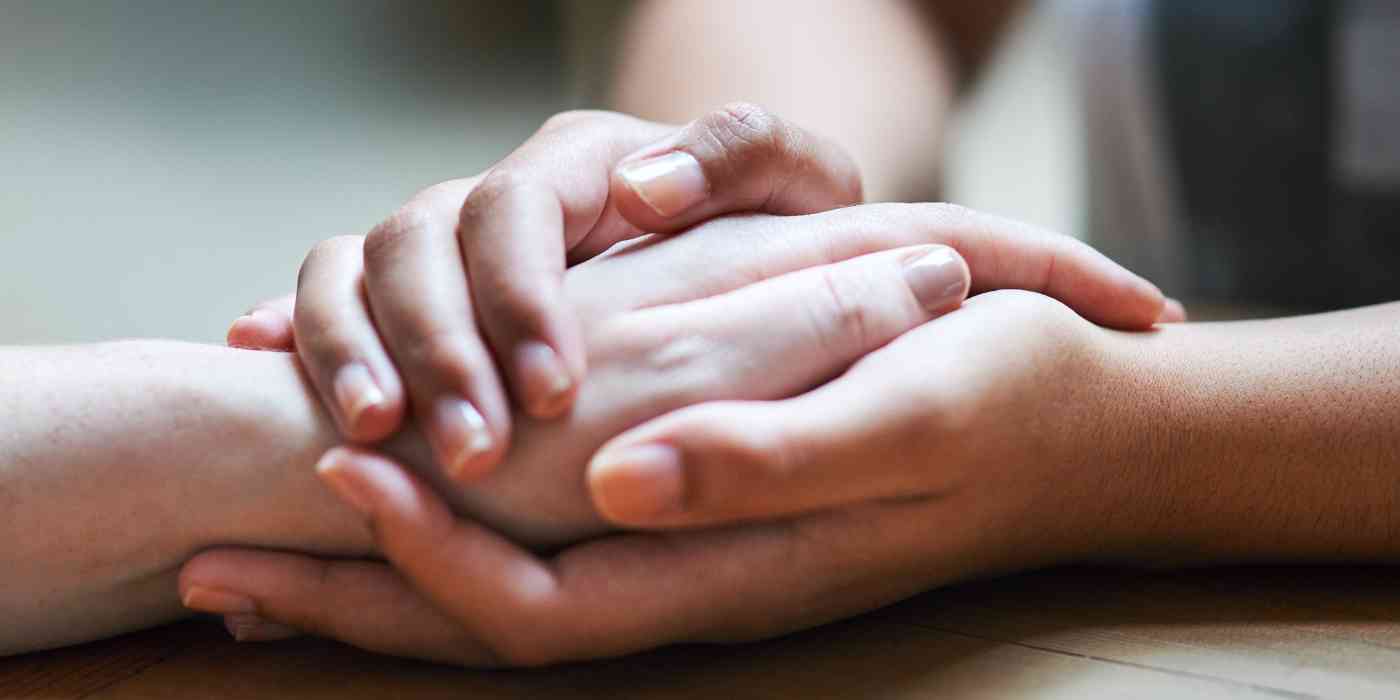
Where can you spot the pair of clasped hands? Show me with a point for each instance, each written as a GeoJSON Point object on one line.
{"type": "Point", "coordinates": [641, 384]}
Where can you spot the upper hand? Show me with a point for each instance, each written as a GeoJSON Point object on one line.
{"type": "Point", "coordinates": [469, 274]}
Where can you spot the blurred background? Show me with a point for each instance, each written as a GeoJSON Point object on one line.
{"type": "Point", "coordinates": [164, 165]}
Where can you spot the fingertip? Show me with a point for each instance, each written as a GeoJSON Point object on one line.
{"type": "Point", "coordinates": [1173, 312]}
{"type": "Point", "coordinates": [373, 485]}
{"type": "Point", "coordinates": [636, 484]}
{"type": "Point", "coordinates": [369, 408]}
{"type": "Point", "coordinates": [464, 443]}
{"type": "Point", "coordinates": [261, 329]}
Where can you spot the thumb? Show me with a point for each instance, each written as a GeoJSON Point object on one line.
{"type": "Point", "coordinates": [739, 158]}
{"type": "Point", "coordinates": [744, 460]}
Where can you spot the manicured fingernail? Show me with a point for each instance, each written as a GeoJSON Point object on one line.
{"type": "Point", "coordinates": [462, 437]}
{"type": "Point", "coordinates": [218, 601]}
{"type": "Point", "coordinates": [669, 184]}
{"type": "Point", "coordinates": [547, 382]}
{"type": "Point", "coordinates": [356, 392]}
{"type": "Point", "coordinates": [332, 469]}
{"type": "Point", "coordinates": [938, 278]}
{"type": "Point", "coordinates": [637, 483]}
{"type": "Point", "coordinates": [251, 628]}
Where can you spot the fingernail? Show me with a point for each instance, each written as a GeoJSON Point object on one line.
{"type": "Point", "coordinates": [938, 278]}
{"type": "Point", "coordinates": [356, 392]}
{"type": "Point", "coordinates": [669, 184]}
{"type": "Point", "coordinates": [259, 322]}
{"type": "Point", "coordinates": [463, 437]}
{"type": "Point", "coordinates": [331, 468]}
{"type": "Point", "coordinates": [547, 382]}
{"type": "Point", "coordinates": [251, 628]}
{"type": "Point", "coordinates": [218, 601]}
{"type": "Point", "coordinates": [637, 483]}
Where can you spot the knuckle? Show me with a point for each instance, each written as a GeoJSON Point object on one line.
{"type": "Point", "coordinates": [748, 134]}
{"type": "Point", "coordinates": [437, 353]}
{"type": "Point", "coordinates": [573, 117]}
{"type": "Point", "coordinates": [762, 451]}
{"type": "Point", "coordinates": [684, 365]}
{"type": "Point", "coordinates": [841, 318]}
{"type": "Point", "coordinates": [389, 236]}
{"type": "Point", "coordinates": [501, 183]}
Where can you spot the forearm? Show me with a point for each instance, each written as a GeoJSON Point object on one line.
{"type": "Point", "coordinates": [119, 461]}
{"type": "Point", "coordinates": [1269, 440]}
{"type": "Point", "coordinates": [877, 77]}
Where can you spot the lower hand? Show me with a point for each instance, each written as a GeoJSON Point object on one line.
{"type": "Point", "coordinates": [945, 455]}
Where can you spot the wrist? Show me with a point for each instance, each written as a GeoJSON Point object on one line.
{"type": "Point", "coordinates": [271, 430]}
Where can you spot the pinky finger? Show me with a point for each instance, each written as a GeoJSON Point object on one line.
{"type": "Point", "coordinates": [361, 603]}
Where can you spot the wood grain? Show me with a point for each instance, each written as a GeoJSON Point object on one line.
{"type": "Point", "coordinates": [1074, 633]}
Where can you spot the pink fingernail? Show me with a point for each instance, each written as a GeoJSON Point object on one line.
{"type": "Point", "coordinates": [637, 483]}
{"type": "Point", "coordinates": [356, 392]}
{"type": "Point", "coordinates": [669, 184]}
{"type": "Point", "coordinates": [546, 382]}
{"type": "Point", "coordinates": [333, 472]}
{"type": "Point", "coordinates": [462, 436]}
{"type": "Point", "coordinates": [218, 601]}
{"type": "Point", "coordinates": [938, 278]}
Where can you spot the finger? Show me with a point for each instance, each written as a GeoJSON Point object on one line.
{"type": "Point", "coordinates": [1002, 254]}
{"type": "Point", "coordinates": [611, 596]}
{"type": "Point", "coordinates": [539, 208]}
{"type": "Point", "coordinates": [1173, 312]}
{"type": "Point", "coordinates": [446, 558]}
{"type": "Point", "coordinates": [339, 345]}
{"type": "Point", "coordinates": [363, 603]}
{"type": "Point", "coordinates": [789, 333]}
{"type": "Point", "coordinates": [266, 326]}
{"type": "Point", "coordinates": [547, 201]}
{"type": "Point", "coordinates": [864, 436]}
{"type": "Point", "coordinates": [735, 159]}
{"type": "Point", "coordinates": [418, 296]}
{"type": "Point", "coordinates": [512, 230]}
{"type": "Point", "coordinates": [619, 594]}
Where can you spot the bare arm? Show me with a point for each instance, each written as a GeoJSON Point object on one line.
{"type": "Point", "coordinates": [120, 461]}
{"type": "Point", "coordinates": [877, 77]}
{"type": "Point", "coordinates": [1269, 440]}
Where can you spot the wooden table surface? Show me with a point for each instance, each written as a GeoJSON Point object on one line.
{"type": "Point", "coordinates": [1072, 633]}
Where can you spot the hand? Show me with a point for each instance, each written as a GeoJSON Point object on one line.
{"type": "Point", "coordinates": [652, 360]}
{"type": "Point", "coordinates": [635, 591]}
{"type": "Point", "coordinates": [1001, 413]}
{"type": "Point", "coordinates": [491, 251]}
{"type": "Point", "coordinates": [973, 468]}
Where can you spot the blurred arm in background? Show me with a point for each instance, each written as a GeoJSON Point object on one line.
{"type": "Point", "coordinates": [879, 78]}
